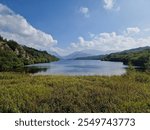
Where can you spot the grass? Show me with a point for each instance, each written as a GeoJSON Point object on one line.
{"type": "Point", "coordinates": [27, 93]}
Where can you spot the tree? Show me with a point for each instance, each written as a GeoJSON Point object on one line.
{"type": "Point", "coordinates": [147, 65]}
{"type": "Point", "coordinates": [1, 38]}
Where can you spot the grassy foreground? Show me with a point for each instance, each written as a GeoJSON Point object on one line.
{"type": "Point", "coordinates": [27, 93]}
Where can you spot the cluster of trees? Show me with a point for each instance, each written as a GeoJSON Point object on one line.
{"type": "Point", "coordinates": [14, 56]}
{"type": "Point", "coordinates": [36, 56]}
{"type": "Point", "coordinates": [136, 58]}
{"type": "Point", "coordinates": [9, 61]}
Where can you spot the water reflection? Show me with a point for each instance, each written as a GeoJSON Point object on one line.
{"type": "Point", "coordinates": [34, 69]}
{"type": "Point", "coordinates": [78, 67]}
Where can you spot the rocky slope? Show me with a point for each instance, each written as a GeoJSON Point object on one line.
{"type": "Point", "coordinates": [14, 55]}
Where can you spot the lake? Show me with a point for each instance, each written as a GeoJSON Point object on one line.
{"type": "Point", "coordinates": [80, 67]}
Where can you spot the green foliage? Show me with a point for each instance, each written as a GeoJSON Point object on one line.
{"type": "Point", "coordinates": [14, 56]}
{"type": "Point", "coordinates": [136, 58]}
{"type": "Point", "coordinates": [13, 45]}
{"type": "Point", "coordinates": [147, 65]}
{"type": "Point", "coordinates": [8, 60]}
{"type": "Point", "coordinates": [27, 93]}
{"type": "Point", "coordinates": [1, 38]}
{"type": "Point", "coordinates": [39, 56]}
{"type": "Point", "coordinates": [130, 67]}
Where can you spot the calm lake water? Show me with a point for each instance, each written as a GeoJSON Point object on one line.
{"type": "Point", "coordinates": [79, 67]}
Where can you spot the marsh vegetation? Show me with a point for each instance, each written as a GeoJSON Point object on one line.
{"type": "Point", "coordinates": [27, 93]}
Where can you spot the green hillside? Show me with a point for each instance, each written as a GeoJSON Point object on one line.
{"type": "Point", "coordinates": [137, 57]}
{"type": "Point", "coordinates": [13, 55]}
{"type": "Point", "coordinates": [97, 57]}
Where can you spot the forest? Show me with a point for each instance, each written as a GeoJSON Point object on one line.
{"type": "Point", "coordinates": [139, 57]}
{"type": "Point", "coordinates": [14, 56]}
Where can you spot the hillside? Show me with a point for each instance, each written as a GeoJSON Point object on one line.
{"type": "Point", "coordinates": [137, 57]}
{"type": "Point", "coordinates": [97, 57]}
{"type": "Point", "coordinates": [13, 55]}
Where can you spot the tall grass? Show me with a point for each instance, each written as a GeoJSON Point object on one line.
{"type": "Point", "coordinates": [28, 93]}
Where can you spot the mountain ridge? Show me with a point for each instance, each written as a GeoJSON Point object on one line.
{"type": "Point", "coordinates": [86, 53]}
{"type": "Point", "coordinates": [75, 55]}
{"type": "Point", "coordinates": [136, 57]}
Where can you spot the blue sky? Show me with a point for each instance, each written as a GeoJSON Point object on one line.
{"type": "Point", "coordinates": [66, 26]}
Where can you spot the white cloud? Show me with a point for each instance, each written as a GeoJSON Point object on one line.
{"type": "Point", "coordinates": [108, 4]}
{"type": "Point", "coordinates": [111, 42]}
{"type": "Point", "coordinates": [132, 31]}
{"type": "Point", "coordinates": [111, 4]}
{"type": "Point", "coordinates": [84, 11]}
{"type": "Point", "coordinates": [59, 51]}
{"type": "Point", "coordinates": [5, 10]}
{"type": "Point", "coordinates": [14, 26]}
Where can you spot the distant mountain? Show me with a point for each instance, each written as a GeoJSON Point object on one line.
{"type": "Point", "coordinates": [13, 55]}
{"type": "Point", "coordinates": [94, 55]}
{"type": "Point", "coordinates": [137, 57]}
{"type": "Point", "coordinates": [97, 52]}
{"type": "Point", "coordinates": [76, 55]}
{"type": "Point", "coordinates": [55, 54]}
{"type": "Point", "coordinates": [84, 54]}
